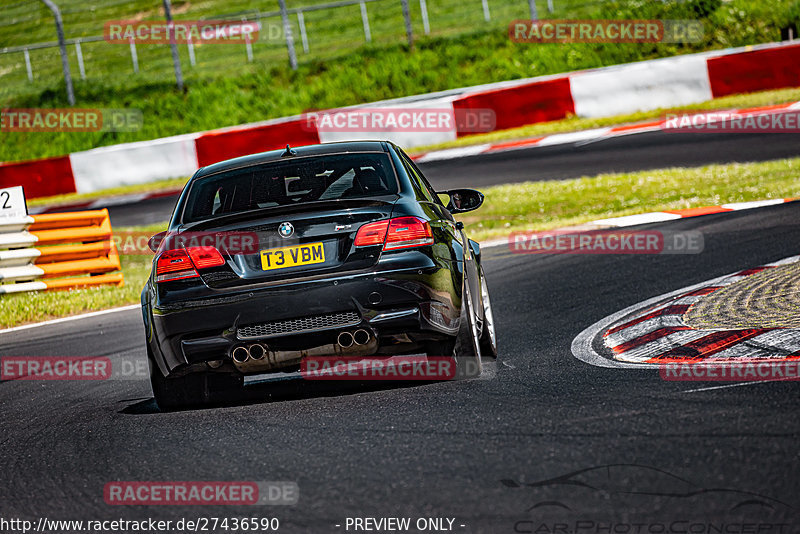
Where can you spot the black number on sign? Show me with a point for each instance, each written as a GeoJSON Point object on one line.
{"type": "Point", "coordinates": [7, 195]}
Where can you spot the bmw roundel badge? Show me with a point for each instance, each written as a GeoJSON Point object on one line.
{"type": "Point", "coordinates": [286, 229]}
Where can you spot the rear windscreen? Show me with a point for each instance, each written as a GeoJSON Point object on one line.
{"type": "Point", "coordinates": [296, 181]}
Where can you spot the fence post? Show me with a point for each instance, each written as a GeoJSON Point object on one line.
{"type": "Point", "coordinates": [287, 30]}
{"type": "Point", "coordinates": [190, 47]}
{"type": "Point", "coordinates": [532, 6]}
{"type": "Point", "coordinates": [248, 46]}
{"type": "Point", "coordinates": [63, 46]}
{"type": "Point", "coordinates": [134, 57]}
{"type": "Point", "coordinates": [79, 54]}
{"type": "Point", "coordinates": [409, 30]}
{"type": "Point", "coordinates": [28, 64]}
{"type": "Point", "coordinates": [365, 20]}
{"type": "Point", "coordinates": [486, 15]}
{"type": "Point", "coordinates": [176, 60]}
{"type": "Point", "coordinates": [301, 22]}
{"type": "Point", "coordinates": [423, 7]}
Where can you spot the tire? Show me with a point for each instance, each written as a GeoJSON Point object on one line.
{"type": "Point", "coordinates": [190, 391]}
{"type": "Point", "coordinates": [488, 339]}
{"type": "Point", "coordinates": [467, 351]}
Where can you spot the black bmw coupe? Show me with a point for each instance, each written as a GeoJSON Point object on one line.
{"type": "Point", "coordinates": [333, 249]}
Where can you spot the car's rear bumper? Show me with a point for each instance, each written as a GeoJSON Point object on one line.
{"type": "Point", "coordinates": [420, 298]}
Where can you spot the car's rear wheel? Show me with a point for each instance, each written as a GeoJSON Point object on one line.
{"type": "Point", "coordinates": [464, 348]}
{"type": "Point", "coordinates": [191, 390]}
{"type": "Point", "coordinates": [467, 351]}
{"type": "Point", "coordinates": [488, 339]}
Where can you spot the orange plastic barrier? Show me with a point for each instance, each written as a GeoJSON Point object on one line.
{"type": "Point", "coordinates": [76, 245]}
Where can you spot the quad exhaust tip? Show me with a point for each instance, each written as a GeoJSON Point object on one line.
{"type": "Point", "coordinates": [361, 337]}
{"type": "Point", "coordinates": [240, 354]}
{"type": "Point", "coordinates": [348, 339]}
{"type": "Point", "coordinates": [345, 339]}
{"type": "Point", "coordinates": [258, 352]}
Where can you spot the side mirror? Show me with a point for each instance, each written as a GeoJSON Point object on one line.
{"type": "Point", "coordinates": [462, 200]}
{"type": "Point", "coordinates": [155, 241]}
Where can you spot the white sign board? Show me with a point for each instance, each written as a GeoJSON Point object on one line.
{"type": "Point", "coordinates": [12, 203]}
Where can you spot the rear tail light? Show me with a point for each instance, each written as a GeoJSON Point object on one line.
{"type": "Point", "coordinates": [205, 257]}
{"type": "Point", "coordinates": [397, 233]}
{"type": "Point", "coordinates": [408, 232]}
{"type": "Point", "coordinates": [174, 265]}
{"type": "Point", "coordinates": [372, 234]}
{"type": "Point", "coordinates": [180, 264]}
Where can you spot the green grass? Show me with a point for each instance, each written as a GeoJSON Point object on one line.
{"type": "Point", "coordinates": [469, 53]}
{"type": "Point", "coordinates": [559, 203]}
{"type": "Point", "coordinates": [21, 308]}
{"type": "Point", "coordinates": [516, 207]}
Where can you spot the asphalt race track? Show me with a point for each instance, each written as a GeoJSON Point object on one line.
{"type": "Point", "coordinates": [652, 150]}
{"type": "Point", "coordinates": [462, 450]}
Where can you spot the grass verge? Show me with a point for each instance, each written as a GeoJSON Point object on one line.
{"type": "Point", "coordinates": [516, 207]}
{"type": "Point", "coordinates": [558, 203]}
{"type": "Point", "coordinates": [21, 308]}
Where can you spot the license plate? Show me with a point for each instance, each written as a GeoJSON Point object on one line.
{"type": "Point", "coordinates": [281, 258]}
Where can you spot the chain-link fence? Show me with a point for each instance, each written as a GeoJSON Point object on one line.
{"type": "Point", "coordinates": [30, 59]}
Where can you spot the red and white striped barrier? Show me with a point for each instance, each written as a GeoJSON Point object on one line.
{"type": "Point", "coordinates": [596, 134]}
{"type": "Point", "coordinates": [642, 86]}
